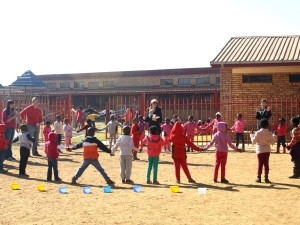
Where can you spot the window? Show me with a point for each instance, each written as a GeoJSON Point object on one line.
{"type": "Point", "coordinates": [184, 81]}
{"type": "Point", "coordinates": [108, 84]}
{"type": "Point", "coordinates": [78, 85]}
{"type": "Point", "coordinates": [257, 79]}
{"type": "Point", "coordinates": [93, 85]}
{"type": "Point", "coordinates": [294, 78]}
{"type": "Point", "coordinates": [166, 82]}
{"type": "Point", "coordinates": [51, 85]}
{"type": "Point", "coordinates": [65, 85]}
{"type": "Point", "coordinates": [203, 80]}
{"type": "Point", "coordinates": [217, 80]}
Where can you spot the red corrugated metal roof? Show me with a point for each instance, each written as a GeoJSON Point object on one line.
{"type": "Point", "coordinates": [259, 50]}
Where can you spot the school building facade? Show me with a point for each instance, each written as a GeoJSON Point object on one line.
{"type": "Point", "coordinates": [191, 91]}
{"type": "Point", "coordinates": [255, 68]}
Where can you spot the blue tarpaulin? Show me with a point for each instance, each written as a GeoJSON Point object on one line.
{"type": "Point", "coordinates": [28, 79]}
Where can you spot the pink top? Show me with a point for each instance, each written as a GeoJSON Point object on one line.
{"type": "Point", "coordinates": [154, 143]}
{"type": "Point", "coordinates": [5, 117]}
{"type": "Point", "coordinates": [238, 126]}
{"type": "Point", "coordinates": [166, 128]}
{"type": "Point", "coordinates": [221, 139]}
{"type": "Point", "coordinates": [190, 128]}
{"type": "Point", "coordinates": [214, 124]}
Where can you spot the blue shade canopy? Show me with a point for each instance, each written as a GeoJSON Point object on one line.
{"type": "Point", "coordinates": [28, 79]}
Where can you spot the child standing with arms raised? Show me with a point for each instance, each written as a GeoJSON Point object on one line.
{"type": "Point", "coordinates": [221, 139]}
{"type": "Point", "coordinates": [263, 138]}
{"type": "Point", "coordinates": [90, 146]}
{"type": "Point", "coordinates": [154, 143]}
{"type": "Point", "coordinates": [178, 151]}
{"type": "Point", "coordinates": [238, 128]}
{"type": "Point", "coordinates": [126, 146]}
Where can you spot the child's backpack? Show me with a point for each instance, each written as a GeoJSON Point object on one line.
{"type": "Point", "coordinates": [3, 141]}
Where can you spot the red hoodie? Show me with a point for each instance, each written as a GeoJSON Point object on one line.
{"type": "Point", "coordinates": [154, 144]}
{"type": "Point", "coordinates": [179, 140]}
{"type": "Point", "coordinates": [51, 146]}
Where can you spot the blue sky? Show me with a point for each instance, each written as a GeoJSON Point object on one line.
{"type": "Point", "coordinates": [62, 36]}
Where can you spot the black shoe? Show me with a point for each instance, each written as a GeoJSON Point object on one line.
{"type": "Point", "coordinates": [3, 171]}
{"type": "Point", "coordinates": [58, 179]}
{"type": "Point", "coordinates": [37, 154]}
{"type": "Point", "coordinates": [73, 180]}
{"type": "Point", "coordinates": [215, 180]}
{"type": "Point", "coordinates": [109, 181]}
{"type": "Point", "coordinates": [123, 181]}
{"type": "Point", "coordinates": [191, 180]}
{"type": "Point", "coordinates": [224, 181]}
{"type": "Point", "coordinates": [23, 175]}
{"type": "Point", "coordinates": [129, 181]}
{"type": "Point", "coordinates": [267, 180]}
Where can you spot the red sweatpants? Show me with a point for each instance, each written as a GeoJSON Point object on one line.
{"type": "Point", "coordinates": [221, 159]}
{"type": "Point", "coordinates": [181, 163]}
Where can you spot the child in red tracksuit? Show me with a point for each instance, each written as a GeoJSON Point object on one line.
{"type": "Point", "coordinates": [179, 140]}
{"type": "Point", "coordinates": [154, 143]}
{"type": "Point", "coordinates": [280, 132]}
{"type": "Point", "coordinates": [52, 155]}
{"type": "Point", "coordinates": [136, 133]}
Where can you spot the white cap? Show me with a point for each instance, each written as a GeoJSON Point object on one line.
{"type": "Point", "coordinates": [153, 100]}
{"type": "Point", "coordinates": [218, 113]}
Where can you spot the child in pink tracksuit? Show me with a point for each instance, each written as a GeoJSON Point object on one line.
{"type": "Point", "coordinates": [166, 128]}
{"type": "Point", "coordinates": [222, 140]}
{"type": "Point", "coordinates": [190, 129]}
{"type": "Point", "coordinates": [238, 128]}
{"type": "Point", "coordinates": [154, 143]}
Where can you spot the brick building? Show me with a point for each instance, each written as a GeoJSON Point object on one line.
{"type": "Point", "coordinates": [179, 91]}
{"type": "Point", "coordinates": [253, 68]}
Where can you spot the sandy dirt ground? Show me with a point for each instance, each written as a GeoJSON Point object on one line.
{"type": "Point", "coordinates": [242, 201]}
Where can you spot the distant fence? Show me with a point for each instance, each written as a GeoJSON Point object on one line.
{"type": "Point", "coordinates": [204, 107]}
{"type": "Point", "coordinates": [50, 106]}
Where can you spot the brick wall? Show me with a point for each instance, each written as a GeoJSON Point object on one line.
{"type": "Point", "coordinates": [237, 97]}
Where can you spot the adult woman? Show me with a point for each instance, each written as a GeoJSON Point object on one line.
{"type": "Point", "coordinates": [154, 115]}
{"type": "Point", "coordinates": [9, 120]}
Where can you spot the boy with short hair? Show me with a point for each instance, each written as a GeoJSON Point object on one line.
{"type": "Point", "coordinates": [25, 145]}
{"type": "Point", "coordinates": [112, 126]}
{"type": "Point", "coordinates": [90, 155]}
{"type": "Point", "coordinates": [126, 146]}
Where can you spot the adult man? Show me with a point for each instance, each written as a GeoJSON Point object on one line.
{"type": "Point", "coordinates": [32, 116]}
